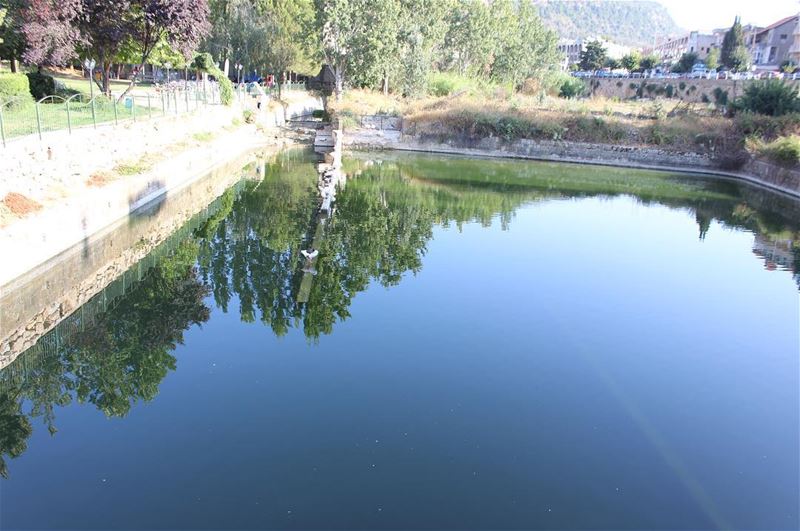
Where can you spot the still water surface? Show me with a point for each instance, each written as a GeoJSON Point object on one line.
{"type": "Point", "coordinates": [487, 344]}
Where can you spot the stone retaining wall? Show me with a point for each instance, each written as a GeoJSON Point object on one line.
{"type": "Point", "coordinates": [756, 172]}
{"type": "Point", "coordinates": [689, 90]}
{"type": "Point", "coordinates": [39, 300]}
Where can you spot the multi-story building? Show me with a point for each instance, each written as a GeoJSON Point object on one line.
{"type": "Point", "coordinates": [773, 44]}
{"type": "Point", "coordinates": [672, 49]}
{"type": "Point", "coordinates": [571, 49]}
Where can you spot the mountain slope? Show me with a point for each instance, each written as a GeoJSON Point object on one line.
{"type": "Point", "coordinates": [634, 23]}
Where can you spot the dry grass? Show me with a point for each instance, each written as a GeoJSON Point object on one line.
{"type": "Point", "coordinates": [497, 112]}
{"type": "Point", "coordinates": [100, 178]}
{"type": "Point", "coordinates": [361, 101]}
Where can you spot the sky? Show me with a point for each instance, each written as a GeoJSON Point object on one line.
{"type": "Point", "coordinates": [705, 15]}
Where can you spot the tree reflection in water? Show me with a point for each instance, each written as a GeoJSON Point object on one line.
{"type": "Point", "coordinates": [385, 217]}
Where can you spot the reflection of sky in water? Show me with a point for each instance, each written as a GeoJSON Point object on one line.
{"type": "Point", "coordinates": [596, 364]}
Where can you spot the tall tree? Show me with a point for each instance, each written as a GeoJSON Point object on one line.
{"type": "Point", "coordinates": [525, 48]}
{"type": "Point", "coordinates": [631, 61]}
{"type": "Point", "coordinates": [12, 40]}
{"type": "Point", "coordinates": [734, 53]}
{"type": "Point", "coordinates": [51, 25]}
{"type": "Point", "coordinates": [339, 23]}
{"type": "Point", "coordinates": [471, 37]}
{"type": "Point", "coordinates": [181, 23]}
{"type": "Point", "coordinates": [593, 57]}
{"type": "Point", "coordinates": [686, 62]}
{"type": "Point", "coordinates": [102, 27]}
{"type": "Point", "coordinates": [712, 59]}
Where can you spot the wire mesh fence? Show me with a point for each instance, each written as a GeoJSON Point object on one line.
{"type": "Point", "coordinates": [21, 116]}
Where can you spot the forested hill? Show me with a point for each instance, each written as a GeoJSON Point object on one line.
{"type": "Point", "coordinates": [633, 23]}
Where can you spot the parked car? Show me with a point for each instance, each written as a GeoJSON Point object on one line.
{"type": "Point", "coordinates": [699, 71]}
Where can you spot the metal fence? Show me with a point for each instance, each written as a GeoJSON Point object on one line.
{"type": "Point", "coordinates": [21, 117]}
{"type": "Point", "coordinates": [379, 122]}
{"type": "Point", "coordinates": [245, 90]}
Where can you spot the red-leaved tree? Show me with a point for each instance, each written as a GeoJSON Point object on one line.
{"type": "Point", "coordinates": [50, 31]}
{"type": "Point", "coordinates": [55, 29]}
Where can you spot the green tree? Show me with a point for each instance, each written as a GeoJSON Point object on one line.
{"type": "Point", "coordinates": [15, 428]}
{"type": "Point", "coordinates": [525, 47]}
{"type": "Point", "coordinates": [734, 55]}
{"type": "Point", "coordinates": [593, 57]}
{"type": "Point", "coordinates": [12, 40]}
{"type": "Point", "coordinates": [340, 25]}
{"type": "Point", "coordinates": [471, 37]}
{"type": "Point", "coordinates": [686, 62]}
{"type": "Point", "coordinates": [772, 97]}
{"type": "Point", "coordinates": [631, 61]}
{"type": "Point", "coordinates": [648, 62]}
{"type": "Point", "coordinates": [712, 59]}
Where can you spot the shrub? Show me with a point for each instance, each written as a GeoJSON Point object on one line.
{"type": "Point", "coordinates": [225, 89]}
{"type": "Point", "coordinates": [682, 85]}
{"type": "Point", "coordinates": [785, 150]}
{"type": "Point", "coordinates": [720, 97]}
{"type": "Point", "coordinates": [771, 97]}
{"type": "Point", "coordinates": [41, 85]}
{"type": "Point", "coordinates": [766, 127]}
{"type": "Point", "coordinates": [14, 86]}
{"type": "Point", "coordinates": [447, 83]}
{"type": "Point", "coordinates": [203, 62]}
{"type": "Point", "coordinates": [248, 116]}
{"type": "Point", "coordinates": [571, 88]}
{"type": "Point", "coordinates": [670, 91]}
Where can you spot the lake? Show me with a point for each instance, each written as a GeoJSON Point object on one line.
{"type": "Point", "coordinates": [485, 344]}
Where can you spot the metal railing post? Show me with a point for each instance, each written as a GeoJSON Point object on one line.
{"type": "Point", "coordinates": [175, 98]}
{"type": "Point", "coordinates": [149, 108]}
{"type": "Point", "coordinates": [186, 98]}
{"type": "Point", "coordinates": [114, 102]}
{"type": "Point", "coordinates": [38, 121]}
{"type": "Point", "coordinates": [133, 109]}
{"type": "Point", "coordinates": [163, 106]}
{"type": "Point", "coordinates": [94, 114]}
{"type": "Point", "coordinates": [69, 118]}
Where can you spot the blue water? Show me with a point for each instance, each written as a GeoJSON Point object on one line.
{"type": "Point", "coordinates": [587, 361]}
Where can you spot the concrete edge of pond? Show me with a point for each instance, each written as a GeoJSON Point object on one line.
{"type": "Point", "coordinates": [757, 173]}
{"type": "Point", "coordinates": [33, 242]}
{"type": "Point", "coordinates": [40, 299]}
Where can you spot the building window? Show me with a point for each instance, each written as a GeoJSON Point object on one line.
{"type": "Point", "coordinates": [783, 36]}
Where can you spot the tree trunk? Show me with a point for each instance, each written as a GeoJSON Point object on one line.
{"type": "Point", "coordinates": [339, 75]}
{"type": "Point", "coordinates": [13, 61]}
{"type": "Point", "coordinates": [385, 84]}
{"type": "Point", "coordinates": [107, 79]}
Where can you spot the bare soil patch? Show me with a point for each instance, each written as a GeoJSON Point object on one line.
{"type": "Point", "coordinates": [20, 205]}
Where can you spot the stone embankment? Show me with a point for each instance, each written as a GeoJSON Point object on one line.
{"type": "Point", "coordinates": [761, 173]}
{"type": "Point", "coordinates": [86, 181]}
{"type": "Point", "coordinates": [38, 301]}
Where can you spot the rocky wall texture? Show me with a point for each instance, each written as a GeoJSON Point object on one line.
{"type": "Point", "coordinates": [757, 172]}
{"type": "Point", "coordinates": [688, 90]}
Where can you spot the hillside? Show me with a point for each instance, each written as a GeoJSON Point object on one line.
{"type": "Point", "coordinates": [632, 23]}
